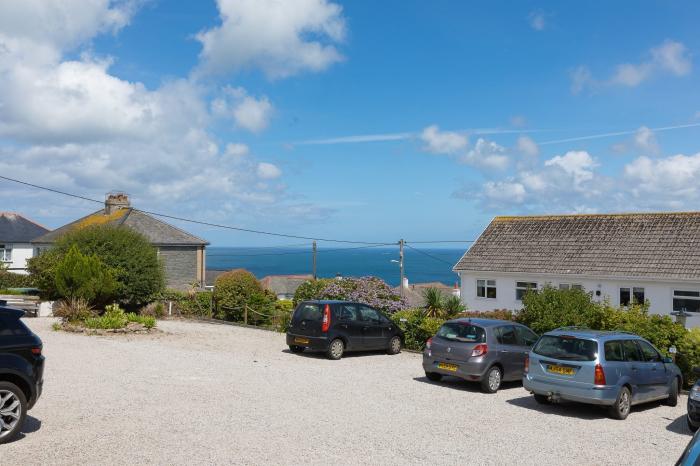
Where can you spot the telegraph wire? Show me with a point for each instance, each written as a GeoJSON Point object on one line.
{"type": "Point", "coordinates": [429, 255]}
{"type": "Point", "coordinates": [303, 252]}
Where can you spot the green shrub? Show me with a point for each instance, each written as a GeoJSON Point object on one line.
{"type": "Point", "coordinates": [551, 308]}
{"type": "Point", "coordinates": [434, 302]}
{"type": "Point", "coordinates": [147, 321]}
{"type": "Point", "coordinates": [310, 289]}
{"type": "Point", "coordinates": [42, 270]}
{"type": "Point", "coordinates": [15, 280]}
{"type": "Point", "coordinates": [498, 314]}
{"type": "Point", "coordinates": [74, 310]}
{"type": "Point", "coordinates": [113, 318]}
{"type": "Point", "coordinates": [453, 306]}
{"type": "Point", "coordinates": [368, 290]}
{"type": "Point", "coordinates": [417, 327]}
{"type": "Point", "coordinates": [155, 309]}
{"type": "Point", "coordinates": [85, 277]}
{"type": "Point", "coordinates": [282, 315]}
{"type": "Point", "coordinates": [237, 290]}
{"type": "Point", "coordinates": [198, 304]}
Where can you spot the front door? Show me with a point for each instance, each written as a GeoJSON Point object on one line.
{"type": "Point", "coordinates": [371, 328]}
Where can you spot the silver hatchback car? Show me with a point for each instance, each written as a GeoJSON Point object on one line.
{"type": "Point", "coordinates": [613, 369]}
{"type": "Point", "coordinates": [478, 350]}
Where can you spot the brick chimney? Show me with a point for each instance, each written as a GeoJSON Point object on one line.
{"type": "Point", "coordinates": [116, 200]}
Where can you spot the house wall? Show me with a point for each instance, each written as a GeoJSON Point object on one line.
{"type": "Point", "coordinates": [659, 294]}
{"type": "Point", "coordinates": [20, 253]}
{"type": "Point", "coordinates": [183, 265]}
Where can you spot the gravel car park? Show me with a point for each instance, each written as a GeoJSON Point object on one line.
{"type": "Point", "coordinates": [202, 393]}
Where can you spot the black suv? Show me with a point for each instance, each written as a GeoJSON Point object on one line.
{"type": "Point", "coordinates": [339, 326]}
{"type": "Point", "coordinates": [21, 372]}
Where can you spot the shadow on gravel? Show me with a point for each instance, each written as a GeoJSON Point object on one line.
{"type": "Point", "coordinates": [31, 424]}
{"type": "Point", "coordinates": [349, 354]}
{"type": "Point", "coordinates": [456, 383]}
{"type": "Point", "coordinates": [679, 426]}
{"type": "Point", "coordinates": [572, 409]}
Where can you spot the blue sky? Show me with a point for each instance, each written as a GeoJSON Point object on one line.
{"type": "Point", "coordinates": [361, 120]}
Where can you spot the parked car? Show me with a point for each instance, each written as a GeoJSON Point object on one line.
{"type": "Point", "coordinates": [478, 350]}
{"type": "Point", "coordinates": [694, 403]}
{"type": "Point", "coordinates": [21, 372]}
{"type": "Point", "coordinates": [339, 326]}
{"type": "Point", "coordinates": [691, 454]}
{"type": "Point", "coordinates": [613, 369]}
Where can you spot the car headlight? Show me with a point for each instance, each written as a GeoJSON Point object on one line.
{"type": "Point", "coordinates": [695, 393]}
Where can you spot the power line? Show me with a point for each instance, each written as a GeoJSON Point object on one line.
{"type": "Point", "coordinates": [429, 255]}
{"type": "Point", "coordinates": [442, 241]}
{"type": "Point", "coordinates": [302, 252]}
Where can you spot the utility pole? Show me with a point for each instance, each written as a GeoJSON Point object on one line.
{"type": "Point", "coordinates": [401, 265]}
{"type": "Point", "coordinates": [314, 260]}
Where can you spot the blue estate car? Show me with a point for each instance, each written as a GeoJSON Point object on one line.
{"type": "Point", "coordinates": [613, 369]}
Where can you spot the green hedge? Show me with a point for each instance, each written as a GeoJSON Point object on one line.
{"type": "Point", "coordinates": [15, 280]}
{"type": "Point", "coordinates": [196, 304]}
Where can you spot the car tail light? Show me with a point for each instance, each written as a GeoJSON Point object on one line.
{"type": "Point", "coordinates": [36, 351]}
{"type": "Point", "coordinates": [480, 350]}
{"type": "Point", "coordinates": [429, 343]}
{"type": "Point", "coordinates": [326, 318]}
{"type": "Point", "coordinates": [527, 364]}
{"type": "Point", "coordinates": [599, 378]}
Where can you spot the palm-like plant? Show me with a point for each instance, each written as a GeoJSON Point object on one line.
{"type": "Point", "coordinates": [434, 302]}
{"type": "Point", "coordinates": [453, 306]}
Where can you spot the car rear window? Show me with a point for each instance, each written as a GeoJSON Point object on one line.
{"type": "Point", "coordinates": [10, 326]}
{"type": "Point", "coordinates": [567, 348]}
{"type": "Point", "coordinates": [455, 331]}
{"type": "Point", "coordinates": [308, 312]}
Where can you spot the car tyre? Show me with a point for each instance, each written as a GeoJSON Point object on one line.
{"type": "Point", "coordinates": [621, 409]}
{"type": "Point", "coordinates": [492, 380]}
{"type": "Point", "coordinates": [693, 428]}
{"type": "Point", "coordinates": [672, 399]}
{"type": "Point", "coordinates": [296, 349]}
{"type": "Point", "coordinates": [13, 410]}
{"type": "Point", "coordinates": [433, 376]}
{"type": "Point", "coordinates": [394, 345]}
{"type": "Point", "coordinates": [336, 349]}
{"type": "Point", "coordinates": [542, 399]}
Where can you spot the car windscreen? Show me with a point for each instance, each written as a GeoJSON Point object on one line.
{"type": "Point", "coordinates": [566, 347]}
{"type": "Point", "coordinates": [310, 312]}
{"type": "Point", "coordinates": [455, 331]}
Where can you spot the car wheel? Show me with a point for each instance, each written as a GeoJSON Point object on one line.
{"type": "Point", "coordinates": [336, 349]}
{"type": "Point", "coordinates": [542, 399]}
{"type": "Point", "coordinates": [296, 349]}
{"type": "Point", "coordinates": [433, 376]}
{"type": "Point", "coordinates": [622, 405]}
{"type": "Point", "coordinates": [394, 346]}
{"type": "Point", "coordinates": [672, 399]}
{"type": "Point", "coordinates": [691, 426]}
{"type": "Point", "coordinates": [492, 380]}
{"type": "Point", "coordinates": [13, 411]}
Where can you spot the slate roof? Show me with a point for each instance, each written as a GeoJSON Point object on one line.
{"type": "Point", "coordinates": [284, 284]}
{"type": "Point", "coordinates": [157, 231]}
{"type": "Point", "coordinates": [654, 245]}
{"type": "Point", "coordinates": [17, 229]}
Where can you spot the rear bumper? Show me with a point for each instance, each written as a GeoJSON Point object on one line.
{"type": "Point", "coordinates": [469, 370]}
{"type": "Point", "coordinates": [598, 395]}
{"type": "Point", "coordinates": [38, 388]}
{"type": "Point", "coordinates": [694, 412]}
{"type": "Point", "coordinates": [314, 343]}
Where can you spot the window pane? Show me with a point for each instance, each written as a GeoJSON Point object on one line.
{"type": "Point", "coordinates": [566, 348]}
{"type": "Point", "coordinates": [638, 295]}
{"type": "Point", "coordinates": [368, 314]}
{"type": "Point", "coordinates": [491, 283]}
{"type": "Point", "coordinates": [526, 285]}
{"type": "Point", "coordinates": [613, 351]}
{"type": "Point", "coordinates": [563, 286]}
{"type": "Point", "coordinates": [694, 294]}
{"type": "Point", "coordinates": [481, 283]}
{"type": "Point", "coordinates": [525, 336]}
{"type": "Point", "coordinates": [348, 313]}
{"type": "Point", "coordinates": [491, 293]}
{"type": "Point", "coordinates": [650, 354]}
{"type": "Point", "coordinates": [624, 296]}
{"type": "Point", "coordinates": [455, 331]}
{"type": "Point", "coordinates": [481, 291]}
{"type": "Point", "coordinates": [577, 287]}
{"type": "Point", "coordinates": [508, 336]}
{"type": "Point", "coordinates": [631, 351]}
{"type": "Point", "coordinates": [689, 305]}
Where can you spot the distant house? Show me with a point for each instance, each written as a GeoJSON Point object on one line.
{"type": "Point", "coordinates": [182, 253]}
{"type": "Point", "coordinates": [413, 293]}
{"type": "Point", "coordinates": [16, 235]}
{"type": "Point", "coordinates": [623, 258]}
{"type": "Point", "coordinates": [284, 286]}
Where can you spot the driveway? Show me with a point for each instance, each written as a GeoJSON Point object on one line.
{"type": "Point", "coordinates": [216, 394]}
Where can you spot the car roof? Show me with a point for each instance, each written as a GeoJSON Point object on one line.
{"type": "Point", "coordinates": [11, 312]}
{"type": "Point", "coordinates": [483, 322]}
{"type": "Point", "coordinates": [590, 333]}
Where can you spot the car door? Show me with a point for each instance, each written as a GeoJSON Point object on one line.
{"type": "Point", "coordinates": [653, 364]}
{"type": "Point", "coordinates": [371, 326]}
{"type": "Point", "coordinates": [509, 352]}
{"type": "Point", "coordinates": [349, 325]}
{"type": "Point", "coordinates": [525, 338]}
{"type": "Point", "coordinates": [635, 369]}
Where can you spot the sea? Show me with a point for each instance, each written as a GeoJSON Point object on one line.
{"type": "Point", "coordinates": [420, 265]}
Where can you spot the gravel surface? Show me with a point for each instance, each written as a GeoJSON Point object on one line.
{"type": "Point", "coordinates": [214, 394]}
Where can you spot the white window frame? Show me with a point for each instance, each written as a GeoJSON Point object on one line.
{"type": "Point", "coordinates": [690, 298]}
{"type": "Point", "coordinates": [631, 291]}
{"type": "Point", "coordinates": [524, 288]}
{"type": "Point", "coordinates": [5, 253]}
{"type": "Point", "coordinates": [486, 286]}
{"type": "Point", "coordinates": [570, 286]}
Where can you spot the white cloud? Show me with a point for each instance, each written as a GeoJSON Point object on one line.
{"type": "Point", "coordinates": [250, 113]}
{"type": "Point", "coordinates": [537, 20]}
{"type": "Point", "coordinates": [669, 57]}
{"type": "Point", "coordinates": [486, 154]}
{"type": "Point", "coordinates": [578, 165]}
{"type": "Point", "coordinates": [268, 171]}
{"type": "Point", "coordinates": [237, 150]}
{"type": "Point", "coordinates": [443, 142]}
{"type": "Point", "coordinates": [282, 38]}
{"type": "Point", "coordinates": [527, 146]}
{"type": "Point", "coordinates": [645, 141]}
{"type": "Point", "coordinates": [506, 192]}
{"type": "Point", "coordinates": [669, 182]}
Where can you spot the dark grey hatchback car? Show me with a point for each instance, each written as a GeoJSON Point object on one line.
{"type": "Point", "coordinates": [479, 350]}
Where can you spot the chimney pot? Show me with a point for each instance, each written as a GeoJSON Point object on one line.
{"type": "Point", "coordinates": [116, 200]}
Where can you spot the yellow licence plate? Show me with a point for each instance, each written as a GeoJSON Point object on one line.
{"type": "Point", "coordinates": [303, 341]}
{"type": "Point", "coordinates": [561, 370]}
{"type": "Point", "coordinates": [448, 367]}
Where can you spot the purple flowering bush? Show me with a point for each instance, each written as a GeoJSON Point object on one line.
{"type": "Point", "coordinates": [368, 290]}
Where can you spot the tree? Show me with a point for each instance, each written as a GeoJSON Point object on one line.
{"type": "Point", "coordinates": [434, 302]}
{"type": "Point", "coordinates": [453, 306]}
{"type": "Point", "coordinates": [237, 289]}
{"type": "Point", "coordinates": [368, 290]}
{"type": "Point", "coordinates": [85, 277]}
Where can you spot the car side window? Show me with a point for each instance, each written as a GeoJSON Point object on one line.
{"type": "Point", "coordinates": [613, 351]}
{"type": "Point", "coordinates": [526, 337]}
{"type": "Point", "coordinates": [11, 327]}
{"type": "Point", "coordinates": [348, 313]}
{"type": "Point", "coordinates": [506, 335]}
{"type": "Point", "coordinates": [367, 314]}
{"type": "Point", "coordinates": [650, 354]}
{"type": "Point", "coordinates": [631, 351]}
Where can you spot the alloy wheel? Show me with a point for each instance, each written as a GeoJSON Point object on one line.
{"type": "Point", "coordinates": [337, 349]}
{"type": "Point", "coordinates": [395, 345]}
{"type": "Point", "coordinates": [494, 379]}
{"type": "Point", "coordinates": [10, 412]}
{"type": "Point", "coordinates": [624, 405]}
